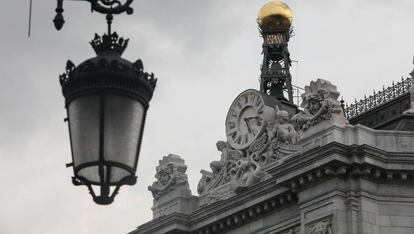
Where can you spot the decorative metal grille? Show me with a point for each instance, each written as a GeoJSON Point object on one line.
{"type": "Point", "coordinates": [378, 98]}
{"type": "Point", "coordinates": [297, 94]}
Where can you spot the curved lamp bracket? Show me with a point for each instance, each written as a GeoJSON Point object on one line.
{"type": "Point", "coordinates": [108, 7]}
{"type": "Point", "coordinates": [111, 6]}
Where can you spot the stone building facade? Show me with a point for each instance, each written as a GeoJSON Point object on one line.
{"type": "Point", "coordinates": [319, 168]}
{"type": "Point", "coordinates": [312, 173]}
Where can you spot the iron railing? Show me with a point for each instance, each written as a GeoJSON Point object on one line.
{"type": "Point", "coordinates": [378, 98]}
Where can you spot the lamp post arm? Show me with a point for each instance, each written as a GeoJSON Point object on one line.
{"type": "Point", "coordinates": [108, 7]}
{"type": "Point", "coordinates": [111, 6]}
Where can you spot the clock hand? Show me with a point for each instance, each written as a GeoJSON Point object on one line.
{"type": "Point", "coordinates": [247, 124]}
{"type": "Point", "coordinates": [247, 120]}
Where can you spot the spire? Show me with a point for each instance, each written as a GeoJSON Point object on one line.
{"type": "Point", "coordinates": [275, 25]}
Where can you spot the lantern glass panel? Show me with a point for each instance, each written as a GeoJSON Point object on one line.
{"type": "Point", "coordinates": [123, 119]}
{"type": "Point", "coordinates": [84, 129]}
{"type": "Point", "coordinates": [91, 173]}
{"type": "Point", "coordinates": [118, 173]}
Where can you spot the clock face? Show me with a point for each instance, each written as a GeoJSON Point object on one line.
{"type": "Point", "coordinates": [245, 119]}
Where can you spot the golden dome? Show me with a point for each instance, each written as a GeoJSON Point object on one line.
{"type": "Point", "coordinates": [275, 14]}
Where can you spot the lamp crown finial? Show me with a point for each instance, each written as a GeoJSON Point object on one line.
{"type": "Point", "coordinates": [111, 42]}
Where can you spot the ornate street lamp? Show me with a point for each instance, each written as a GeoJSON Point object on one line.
{"type": "Point", "coordinates": [106, 98]}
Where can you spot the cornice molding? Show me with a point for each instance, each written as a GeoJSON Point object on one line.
{"type": "Point", "coordinates": [338, 160]}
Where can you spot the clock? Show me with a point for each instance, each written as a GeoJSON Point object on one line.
{"type": "Point", "coordinates": [246, 118]}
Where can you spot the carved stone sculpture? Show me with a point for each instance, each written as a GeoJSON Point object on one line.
{"type": "Point", "coordinates": [236, 170]}
{"type": "Point", "coordinates": [261, 150]}
{"type": "Point", "coordinates": [241, 168]}
{"type": "Point", "coordinates": [248, 173]}
{"type": "Point", "coordinates": [282, 131]}
{"type": "Point", "coordinates": [170, 175]}
{"type": "Point", "coordinates": [222, 171]}
{"type": "Point", "coordinates": [245, 161]}
{"type": "Point", "coordinates": [276, 142]}
{"type": "Point", "coordinates": [320, 104]}
{"type": "Point", "coordinates": [228, 155]}
{"type": "Point", "coordinates": [207, 181]}
{"type": "Point", "coordinates": [323, 227]}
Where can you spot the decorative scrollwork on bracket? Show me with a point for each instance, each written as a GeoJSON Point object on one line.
{"type": "Point", "coordinates": [111, 6]}
{"type": "Point", "coordinates": [108, 7]}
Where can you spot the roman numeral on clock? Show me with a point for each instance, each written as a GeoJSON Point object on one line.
{"type": "Point", "coordinates": [251, 98]}
{"type": "Point", "coordinates": [233, 134]}
{"type": "Point", "coordinates": [238, 139]}
{"type": "Point", "coordinates": [260, 111]}
{"type": "Point", "coordinates": [233, 113]}
{"type": "Point", "coordinates": [245, 138]}
{"type": "Point", "coordinates": [246, 99]}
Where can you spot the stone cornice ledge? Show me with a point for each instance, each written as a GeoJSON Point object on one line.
{"type": "Point", "coordinates": [259, 198]}
{"type": "Point", "coordinates": [242, 209]}
{"type": "Point", "coordinates": [336, 159]}
{"type": "Point", "coordinates": [164, 224]}
{"type": "Point", "coordinates": [392, 141]}
{"type": "Point", "coordinates": [251, 204]}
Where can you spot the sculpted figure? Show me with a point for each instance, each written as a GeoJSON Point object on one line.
{"type": "Point", "coordinates": [322, 228]}
{"type": "Point", "coordinates": [228, 155]}
{"type": "Point", "coordinates": [205, 182]}
{"type": "Point", "coordinates": [221, 171]}
{"type": "Point", "coordinates": [315, 108]}
{"type": "Point", "coordinates": [248, 173]}
{"type": "Point", "coordinates": [164, 176]}
{"type": "Point", "coordinates": [283, 131]}
{"type": "Point", "coordinates": [272, 144]}
{"type": "Point", "coordinates": [319, 103]}
{"type": "Point", "coordinates": [320, 107]}
{"type": "Point", "coordinates": [220, 166]}
{"type": "Point", "coordinates": [170, 174]}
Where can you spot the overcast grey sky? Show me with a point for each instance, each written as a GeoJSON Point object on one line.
{"type": "Point", "coordinates": [204, 53]}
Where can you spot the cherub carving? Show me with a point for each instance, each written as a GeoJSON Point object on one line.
{"type": "Point", "coordinates": [282, 131]}
{"type": "Point", "coordinates": [279, 133]}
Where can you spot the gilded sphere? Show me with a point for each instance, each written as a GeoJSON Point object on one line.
{"type": "Point", "coordinates": [274, 15]}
